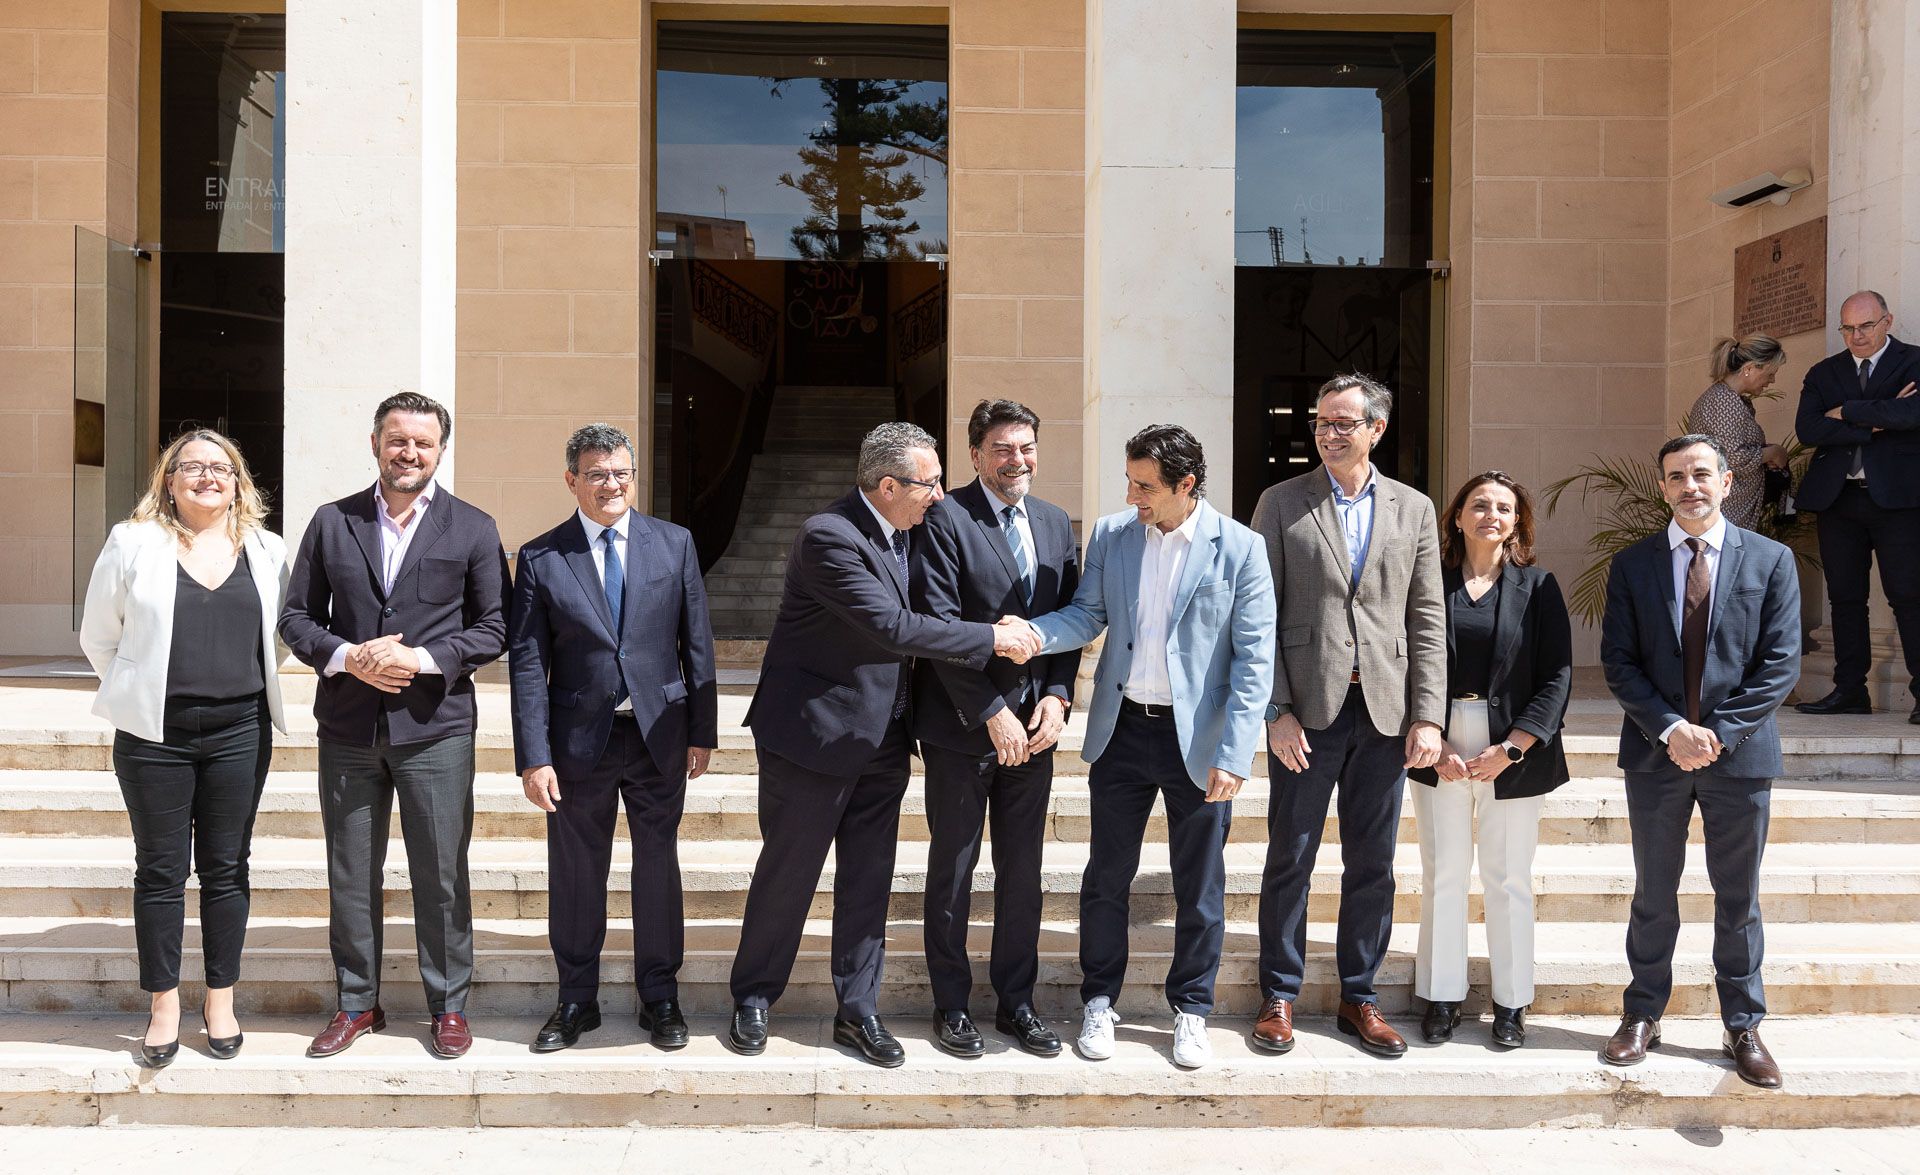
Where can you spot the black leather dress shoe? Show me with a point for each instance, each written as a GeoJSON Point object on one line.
{"type": "Point", "coordinates": [1028, 1031]}
{"type": "Point", "coordinates": [1914, 717]}
{"type": "Point", "coordinates": [226, 1048]}
{"type": "Point", "coordinates": [955, 1034]}
{"type": "Point", "coordinates": [1509, 1026]}
{"type": "Point", "coordinates": [748, 1034]}
{"type": "Point", "coordinates": [562, 1029]}
{"type": "Point", "coordinates": [663, 1020]}
{"type": "Point", "coordinates": [1843, 700]}
{"type": "Point", "coordinates": [872, 1040]}
{"type": "Point", "coordinates": [1442, 1017]}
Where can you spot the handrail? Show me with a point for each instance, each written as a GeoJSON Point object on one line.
{"type": "Point", "coordinates": [735, 313]}
{"type": "Point", "coordinates": [920, 325]}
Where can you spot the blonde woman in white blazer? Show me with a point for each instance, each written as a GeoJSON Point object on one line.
{"type": "Point", "coordinates": [179, 625]}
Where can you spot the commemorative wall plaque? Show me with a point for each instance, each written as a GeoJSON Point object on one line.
{"type": "Point", "coordinates": [1780, 282]}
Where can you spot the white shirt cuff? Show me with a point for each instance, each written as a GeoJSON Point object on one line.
{"type": "Point", "coordinates": [337, 662]}
{"type": "Point", "coordinates": [427, 663]}
{"type": "Point", "coordinates": [1668, 732]}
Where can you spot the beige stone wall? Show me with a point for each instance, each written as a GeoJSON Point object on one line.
{"type": "Point", "coordinates": [1017, 191]}
{"type": "Point", "coordinates": [553, 280]}
{"type": "Point", "coordinates": [1749, 95]}
{"type": "Point", "coordinates": [67, 100]}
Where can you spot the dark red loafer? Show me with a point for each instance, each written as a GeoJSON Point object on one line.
{"type": "Point", "coordinates": [346, 1028]}
{"type": "Point", "coordinates": [451, 1036]}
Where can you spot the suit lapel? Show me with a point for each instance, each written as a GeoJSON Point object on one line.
{"type": "Point", "coordinates": [985, 509]}
{"type": "Point", "coordinates": [1515, 589]}
{"type": "Point", "coordinates": [1385, 531]}
{"type": "Point", "coordinates": [1880, 379]}
{"type": "Point", "coordinates": [643, 559]}
{"type": "Point", "coordinates": [855, 509]}
{"type": "Point", "coordinates": [431, 525]}
{"type": "Point", "coordinates": [574, 550]}
{"type": "Point", "coordinates": [1206, 537]}
{"type": "Point", "coordinates": [1132, 545]}
{"type": "Point", "coordinates": [1327, 515]}
{"type": "Point", "coordinates": [1666, 585]}
{"type": "Point", "coordinates": [1732, 550]}
{"type": "Point", "coordinates": [266, 582]}
{"type": "Point", "coordinates": [364, 524]}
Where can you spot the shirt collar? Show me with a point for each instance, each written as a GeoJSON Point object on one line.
{"type": "Point", "coordinates": [1715, 538]}
{"type": "Point", "coordinates": [1875, 357]}
{"type": "Point", "coordinates": [593, 529]}
{"type": "Point", "coordinates": [886, 528]}
{"type": "Point", "coordinates": [1185, 530]}
{"type": "Point", "coordinates": [1001, 504]}
{"type": "Point", "coordinates": [1373, 475]}
{"type": "Point", "coordinates": [420, 503]}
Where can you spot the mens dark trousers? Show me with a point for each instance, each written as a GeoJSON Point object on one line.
{"type": "Point", "coordinates": [1369, 770]}
{"type": "Point", "coordinates": [580, 834]}
{"type": "Point", "coordinates": [191, 799]}
{"type": "Point", "coordinates": [434, 783]}
{"type": "Point", "coordinates": [1733, 817]}
{"type": "Point", "coordinates": [1853, 533]}
{"type": "Point", "coordinates": [802, 814]}
{"type": "Point", "coordinates": [964, 792]}
{"type": "Point", "coordinates": [1142, 761]}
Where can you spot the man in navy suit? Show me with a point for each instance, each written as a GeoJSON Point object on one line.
{"type": "Point", "coordinates": [397, 597]}
{"type": "Point", "coordinates": [1859, 411]}
{"type": "Point", "coordinates": [991, 549]}
{"type": "Point", "coordinates": [1700, 642]}
{"type": "Point", "coordinates": [832, 730]}
{"type": "Point", "coordinates": [614, 699]}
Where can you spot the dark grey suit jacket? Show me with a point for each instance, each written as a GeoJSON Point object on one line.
{"type": "Point", "coordinates": [1753, 652]}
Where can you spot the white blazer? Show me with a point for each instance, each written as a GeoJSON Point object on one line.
{"type": "Point", "coordinates": [127, 629]}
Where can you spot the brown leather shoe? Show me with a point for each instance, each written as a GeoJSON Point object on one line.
{"type": "Point", "coordinates": [1376, 1035]}
{"type": "Point", "coordinates": [1629, 1043]}
{"type": "Point", "coordinates": [1273, 1031]}
{"type": "Point", "coordinates": [346, 1028]}
{"type": "Point", "coordinates": [451, 1036]}
{"type": "Point", "coordinates": [1750, 1058]}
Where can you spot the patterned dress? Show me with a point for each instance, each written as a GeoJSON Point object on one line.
{"type": "Point", "coordinates": [1727, 416]}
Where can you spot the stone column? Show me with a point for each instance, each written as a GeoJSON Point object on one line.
{"type": "Point", "coordinates": [370, 232]}
{"type": "Point", "coordinates": [1873, 228]}
{"type": "Point", "coordinates": [1159, 243]}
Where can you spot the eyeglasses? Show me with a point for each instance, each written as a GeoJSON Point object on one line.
{"type": "Point", "coordinates": [1863, 328]}
{"type": "Point", "coordinates": [219, 469]}
{"type": "Point", "coordinates": [932, 485]}
{"type": "Point", "coordinates": [601, 477]}
{"type": "Point", "coordinates": [1344, 428]}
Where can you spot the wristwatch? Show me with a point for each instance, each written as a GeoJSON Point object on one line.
{"type": "Point", "coordinates": [1514, 754]}
{"type": "Point", "coordinates": [1273, 713]}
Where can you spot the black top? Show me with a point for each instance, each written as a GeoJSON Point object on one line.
{"type": "Point", "coordinates": [1473, 628]}
{"type": "Point", "coordinates": [216, 637]}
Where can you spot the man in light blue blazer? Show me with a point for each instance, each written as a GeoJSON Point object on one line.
{"type": "Point", "coordinates": [1177, 711]}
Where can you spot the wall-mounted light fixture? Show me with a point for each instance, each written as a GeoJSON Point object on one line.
{"type": "Point", "coordinates": [1777, 188]}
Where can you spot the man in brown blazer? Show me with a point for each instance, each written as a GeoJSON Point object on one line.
{"type": "Point", "coordinates": [1359, 697]}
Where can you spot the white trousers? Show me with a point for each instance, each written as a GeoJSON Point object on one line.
{"type": "Point", "coordinates": [1508, 833]}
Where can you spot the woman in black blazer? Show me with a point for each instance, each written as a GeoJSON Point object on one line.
{"type": "Point", "coordinates": [1509, 672]}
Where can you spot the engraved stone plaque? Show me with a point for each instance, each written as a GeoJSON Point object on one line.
{"type": "Point", "coordinates": [1780, 282]}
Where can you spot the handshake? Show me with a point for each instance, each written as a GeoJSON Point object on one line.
{"type": "Point", "coordinates": [1016, 640]}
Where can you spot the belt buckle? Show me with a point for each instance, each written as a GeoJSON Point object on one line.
{"type": "Point", "coordinates": [1468, 698]}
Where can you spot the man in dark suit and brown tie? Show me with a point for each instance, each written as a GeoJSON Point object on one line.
{"type": "Point", "coordinates": [991, 549]}
{"type": "Point", "coordinates": [1700, 642]}
{"type": "Point", "coordinates": [614, 699]}
{"type": "Point", "coordinates": [831, 728]}
{"type": "Point", "coordinates": [397, 597]}
{"type": "Point", "coordinates": [1859, 411]}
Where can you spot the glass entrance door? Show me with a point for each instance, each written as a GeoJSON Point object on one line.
{"type": "Point", "coordinates": [1333, 229]}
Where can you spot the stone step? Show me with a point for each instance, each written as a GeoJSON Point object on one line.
{"type": "Point", "coordinates": [731, 564]}
{"type": "Point", "coordinates": [88, 877]}
{"type": "Point", "coordinates": [80, 1070]}
{"type": "Point", "coordinates": [726, 807]}
{"type": "Point", "coordinates": [737, 591]}
{"type": "Point", "coordinates": [51, 964]}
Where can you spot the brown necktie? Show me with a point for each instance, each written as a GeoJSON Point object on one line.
{"type": "Point", "coordinates": [1693, 625]}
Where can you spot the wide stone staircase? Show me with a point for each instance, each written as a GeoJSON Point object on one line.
{"type": "Point", "coordinates": [813, 437]}
{"type": "Point", "coordinates": [1841, 897]}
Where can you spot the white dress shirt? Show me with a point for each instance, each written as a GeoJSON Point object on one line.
{"type": "Point", "coordinates": [1682, 559]}
{"type": "Point", "coordinates": [599, 548]}
{"type": "Point", "coordinates": [1860, 474]}
{"type": "Point", "coordinates": [1161, 563]}
{"type": "Point", "coordinates": [396, 535]}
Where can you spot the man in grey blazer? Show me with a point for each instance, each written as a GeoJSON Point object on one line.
{"type": "Point", "coordinates": [1700, 642]}
{"type": "Point", "coordinates": [1359, 696]}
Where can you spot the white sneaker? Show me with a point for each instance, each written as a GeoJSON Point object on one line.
{"type": "Point", "coordinates": [1191, 1048]}
{"type": "Point", "coordinates": [1096, 1031]}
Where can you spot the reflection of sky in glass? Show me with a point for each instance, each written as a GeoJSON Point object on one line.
{"type": "Point", "coordinates": [1312, 152]}
{"type": "Point", "coordinates": [718, 130]}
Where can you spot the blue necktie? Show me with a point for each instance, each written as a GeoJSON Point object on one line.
{"type": "Point", "coordinates": [1021, 558]}
{"type": "Point", "coordinates": [615, 581]}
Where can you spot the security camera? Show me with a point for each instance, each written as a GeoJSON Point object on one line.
{"type": "Point", "coordinates": [1777, 188]}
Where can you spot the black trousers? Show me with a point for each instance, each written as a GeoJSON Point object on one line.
{"type": "Point", "coordinates": [802, 814]}
{"type": "Point", "coordinates": [1733, 817]}
{"type": "Point", "coordinates": [1369, 769]}
{"type": "Point", "coordinates": [964, 791]}
{"type": "Point", "coordinates": [191, 799]}
{"type": "Point", "coordinates": [580, 834]}
{"type": "Point", "coordinates": [1853, 532]}
{"type": "Point", "coordinates": [1143, 761]}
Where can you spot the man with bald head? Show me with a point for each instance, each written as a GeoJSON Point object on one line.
{"type": "Point", "coordinates": [1859, 411]}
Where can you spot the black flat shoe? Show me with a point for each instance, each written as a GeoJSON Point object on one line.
{"type": "Point", "coordinates": [562, 1029]}
{"type": "Point", "coordinates": [663, 1020]}
{"type": "Point", "coordinates": [748, 1034]}
{"type": "Point", "coordinates": [871, 1039]}
{"type": "Point", "coordinates": [1854, 700]}
{"type": "Point", "coordinates": [1443, 1016]}
{"type": "Point", "coordinates": [1509, 1026]}
{"type": "Point", "coordinates": [955, 1034]}
{"type": "Point", "coordinates": [158, 1056]}
{"type": "Point", "coordinates": [1028, 1031]}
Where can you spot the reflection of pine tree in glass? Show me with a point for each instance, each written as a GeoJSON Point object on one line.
{"type": "Point", "coordinates": [856, 169]}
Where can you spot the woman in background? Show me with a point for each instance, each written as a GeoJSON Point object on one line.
{"type": "Point", "coordinates": [1741, 369]}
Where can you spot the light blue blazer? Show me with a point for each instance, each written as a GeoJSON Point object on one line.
{"type": "Point", "coordinates": [1219, 646]}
